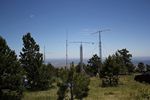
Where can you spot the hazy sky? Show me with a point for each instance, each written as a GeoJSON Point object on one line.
{"type": "Point", "coordinates": [48, 20]}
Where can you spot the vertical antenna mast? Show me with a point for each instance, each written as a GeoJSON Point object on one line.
{"type": "Point", "coordinates": [66, 49]}
{"type": "Point", "coordinates": [81, 53]}
{"type": "Point", "coordinates": [81, 57]}
{"type": "Point", "coordinates": [44, 53]}
{"type": "Point", "coordinates": [100, 46]}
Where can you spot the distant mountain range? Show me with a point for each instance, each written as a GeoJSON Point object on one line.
{"type": "Point", "coordinates": [62, 62]}
{"type": "Point", "coordinates": [145, 60]}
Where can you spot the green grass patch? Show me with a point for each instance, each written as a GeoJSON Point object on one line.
{"type": "Point", "coordinates": [128, 89]}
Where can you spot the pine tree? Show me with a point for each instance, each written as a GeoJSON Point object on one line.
{"type": "Point", "coordinates": [11, 74]}
{"type": "Point", "coordinates": [80, 86]}
{"type": "Point", "coordinates": [62, 84]}
{"type": "Point", "coordinates": [141, 67]}
{"type": "Point", "coordinates": [110, 71]}
{"type": "Point", "coordinates": [93, 65]}
{"type": "Point", "coordinates": [147, 68]}
{"type": "Point", "coordinates": [32, 62]}
{"type": "Point", "coordinates": [126, 58]}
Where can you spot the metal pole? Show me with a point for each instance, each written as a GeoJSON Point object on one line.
{"type": "Point", "coordinates": [66, 50]}
{"type": "Point", "coordinates": [100, 51]}
{"type": "Point", "coordinates": [81, 53]}
{"type": "Point", "coordinates": [81, 57]}
{"type": "Point", "coordinates": [44, 53]}
{"type": "Point", "coordinates": [100, 47]}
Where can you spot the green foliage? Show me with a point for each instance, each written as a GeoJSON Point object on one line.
{"type": "Point", "coordinates": [32, 61]}
{"type": "Point", "coordinates": [52, 69]}
{"type": "Point", "coordinates": [62, 84]}
{"type": "Point", "coordinates": [93, 65]}
{"type": "Point", "coordinates": [127, 66]}
{"type": "Point", "coordinates": [81, 82]}
{"type": "Point", "coordinates": [11, 74]}
{"type": "Point", "coordinates": [147, 68]}
{"type": "Point", "coordinates": [73, 83]}
{"type": "Point", "coordinates": [143, 94]}
{"type": "Point", "coordinates": [141, 67]}
{"type": "Point", "coordinates": [62, 91]}
{"type": "Point", "coordinates": [127, 90]}
{"type": "Point", "coordinates": [125, 55]}
{"type": "Point", "coordinates": [118, 63]}
{"type": "Point", "coordinates": [45, 77]}
{"type": "Point", "coordinates": [110, 71]}
{"type": "Point", "coordinates": [131, 68]}
{"type": "Point", "coordinates": [78, 68]}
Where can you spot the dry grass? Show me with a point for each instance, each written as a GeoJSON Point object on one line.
{"type": "Point", "coordinates": [127, 90]}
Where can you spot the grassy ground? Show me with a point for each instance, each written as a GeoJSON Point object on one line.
{"type": "Point", "coordinates": [127, 90]}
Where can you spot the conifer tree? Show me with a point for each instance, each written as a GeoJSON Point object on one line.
{"type": "Point", "coordinates": [126, 60]}
{"type": "Point", "coordinates": [11, 74]}
{"type": "Point", "coordinates": [110, 71]}
{"type": "Point", "coordinates": [93, 65]}
{"type": "Point", "coordinates": [141, 67]}
{"type": "Point", "coordinates": [32, 62]}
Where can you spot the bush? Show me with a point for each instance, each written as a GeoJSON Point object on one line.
{"type": "Point", "coordinates": [110, 72]}
{"type": "Point", "coordinates": [10, 95]}
{"type": "Point", "coordinates": [107, 81]}
{"type": "Point", "coordinates": [76, 84]}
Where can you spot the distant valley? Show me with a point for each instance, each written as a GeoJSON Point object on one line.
{"type": "Point", "coordinates": [62, 62]}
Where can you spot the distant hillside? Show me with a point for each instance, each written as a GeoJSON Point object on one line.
{"type": "Point", "coordinates": [145, 60]}
{"type": "Point", "coordinates": [62, 62]}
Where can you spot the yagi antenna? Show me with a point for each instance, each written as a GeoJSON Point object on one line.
{"type": "Point", "coordinates": [100, 45]}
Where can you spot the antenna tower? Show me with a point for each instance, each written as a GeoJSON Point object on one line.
{"type": "Point", "coordinates": [100, 46]}
{"type": "Point", "coordinates": [66, 50]}
{"type": "Point", "coordinates": [44, 53]}
{"type": "Point", "coordinates": [81, 53]}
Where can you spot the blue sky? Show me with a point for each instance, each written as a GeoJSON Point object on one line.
{"type": "Point", "coordinates": [48, 20]}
